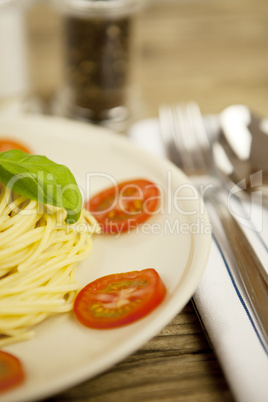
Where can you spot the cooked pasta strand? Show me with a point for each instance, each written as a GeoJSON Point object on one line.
{"type": "Point", "coordinates": [39, 254]}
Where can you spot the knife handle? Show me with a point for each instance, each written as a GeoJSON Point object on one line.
{"type": "Point", "coordinates": [250, 268]}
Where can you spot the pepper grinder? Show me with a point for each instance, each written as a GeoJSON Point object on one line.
{"type": "Point", "coordinates": [97, 50]}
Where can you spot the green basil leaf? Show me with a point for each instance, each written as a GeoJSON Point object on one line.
{"type": "Point", "coordinates": [42, 180]}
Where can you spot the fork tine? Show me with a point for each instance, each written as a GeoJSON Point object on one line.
{"type": "Point", "coordinates": [167, 128]}
{"type": "Point", "coordinates": [184, 136]}
{"type": "Point", "coordinates": [187, 139]}
{"type": "Point", "coordinates": [200, 132]}
{"type": "Point", "coordinates": [181, 137]}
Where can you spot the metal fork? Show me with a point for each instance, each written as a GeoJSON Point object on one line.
{"type": "Point", "coordinates": [187, 145]}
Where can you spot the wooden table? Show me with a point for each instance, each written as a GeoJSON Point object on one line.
{"type": "Point", "coordinates": [212, 52]}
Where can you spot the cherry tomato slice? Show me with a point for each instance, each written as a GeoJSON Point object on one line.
{"type": "Point", "coordinates": [121, 208]}
{"type": "Point", "coordinates": [11, 371]}
{"type": "Point", "coordinates": [6, 145]}
{"type": "Point", "coordinates": [119, 299]}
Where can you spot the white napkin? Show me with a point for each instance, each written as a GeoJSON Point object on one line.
{"type": "Point", "coordinates": [220, 299]}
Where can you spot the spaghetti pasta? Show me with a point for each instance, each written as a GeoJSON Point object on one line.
{"type": "Point", "coordinates": [39, 254]}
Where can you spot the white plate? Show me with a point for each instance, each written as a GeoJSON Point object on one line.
{"type": "Point", "coordinates": [175, 242]}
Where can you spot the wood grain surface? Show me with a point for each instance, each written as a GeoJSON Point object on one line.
{"type": "Point", "coordinates": [211, 52]}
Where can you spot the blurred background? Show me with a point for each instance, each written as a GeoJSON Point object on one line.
{"type": "Point", "coordinates": [211, 52]}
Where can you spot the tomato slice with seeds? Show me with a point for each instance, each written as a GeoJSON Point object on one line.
{"type": "Point", "coordinates": [122, 207]}
{"type": "Point", "coordinates": [6, 145]}
{"type": "Point", "coordinates": [119, 299]}
{"type": "Point", "coordinates": [11, 371]}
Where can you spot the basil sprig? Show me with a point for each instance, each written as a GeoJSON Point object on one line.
{"type": "Point", "coordinates": [42, 180]}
